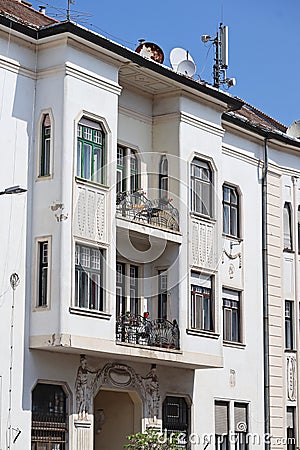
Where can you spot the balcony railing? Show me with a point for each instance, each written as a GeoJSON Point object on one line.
{"type": "Point", "coordinates": [139, 330]}
{"type": "Point", "coordinates": [138, 208]}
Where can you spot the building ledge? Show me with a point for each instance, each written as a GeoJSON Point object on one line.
{"type": "Point", "coordinates": [97, 347]}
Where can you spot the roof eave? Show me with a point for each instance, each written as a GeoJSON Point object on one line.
{"type": "Point", "coordinates": [261, 131]}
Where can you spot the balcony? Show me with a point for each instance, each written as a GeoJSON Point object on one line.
{"type": "Point", "coordinates": [158, 213]}
{"type": "Point", "coordinates": [139, 330]}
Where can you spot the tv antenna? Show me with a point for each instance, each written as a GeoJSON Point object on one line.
{"type": "Point", "coordinates": [221, 56]}
{"type": "Point", "coordinates": [69, 8]}
{"type": "Point", "coordinates": [182, 62]}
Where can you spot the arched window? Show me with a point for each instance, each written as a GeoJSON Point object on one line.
{"type": "Point", "coordinates": [201, 187]}
{"type": "Point", "coordinates": [45, 155]}
{"type": "Point", "coordinates": [90, 151]}
{"type": "Point", "coordinates": [163, 177]}
{"type": "Point", "coordinates": [49, 417]}
{"type": "Point", "coordinates": [287, 227]}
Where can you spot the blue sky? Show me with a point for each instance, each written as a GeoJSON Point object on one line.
{"type": "Point", "coordinates": [264, 40]}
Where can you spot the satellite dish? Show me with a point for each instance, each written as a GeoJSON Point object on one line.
{"type": "Point", "coordinates": [177, 55]}
{"type": "Point", "coordinates": [187, 67]}
{"type": "Point", "coordinates": [149, 50]}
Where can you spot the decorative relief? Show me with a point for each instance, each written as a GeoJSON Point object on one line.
{"type": "Point", "coordinates": [291, 378]}
{"type": "Point", "coordinates": [203, 250]}
{"type": "Point", "coordinates": [89, 382]}
{"type": "Point", "coordinates": [89, 214]}
{"type": "Point", "coordinates": [232, 257]}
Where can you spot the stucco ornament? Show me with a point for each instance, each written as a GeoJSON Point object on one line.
{"type": "Point", "coordinates": [89, 382]}
{"type": "Point", "coordinates": [291, 378]}
{"type": "Point", "coordinates": [83, 387]}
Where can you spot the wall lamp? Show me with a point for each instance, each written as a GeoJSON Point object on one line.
{"type": "Point", "coordinates": [13, 190]}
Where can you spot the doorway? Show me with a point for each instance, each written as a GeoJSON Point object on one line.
{"type": "Point", "coordinates": [117, 414]}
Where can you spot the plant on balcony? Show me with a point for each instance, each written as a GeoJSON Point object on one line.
{"type": "Point", "coordinates": [153, 439]}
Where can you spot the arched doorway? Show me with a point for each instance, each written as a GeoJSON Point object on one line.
{"type": "Point", "coordinates": [117, 413]}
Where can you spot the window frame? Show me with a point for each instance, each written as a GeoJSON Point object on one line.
{"type": "Point", "coordinates": [86, 127]}
{"type": "Point", "coordinates": [289, 325]}
{"type": "Point", "coordinates": [202, 285]}
{"type": "Point", "coordinates": [130, 303]}
{"type": "Point", "coordinates": [163, 181]}
{"type": "Point", "coordinates": [186, 411]}
{"type": "Point", "coordinates": [41, 424]}
{"type": "Point", "coordinates": [162, 298]}
{"type": "Point", "coordinates": [232, 296]}
{"type": "Point", "coordinates": [203, 165]}
{"type": "Point", "coordinates": [41, 145]}
{"type": "Point", "coordinates": [231, 207]}
{"type": "Point", "coordinates": [42, 305]}
{"type": "Point", "coordinates": [91, 285]}
{"type": "Point", "coordinates": [231, 425]}
{"type": "Point", "coordinates": [130, 178]}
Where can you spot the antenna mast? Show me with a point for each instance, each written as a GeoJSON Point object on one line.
{"type": "Point", "coordinates": [69, 9]}
{"type": "Point", "coordinates": [221, 56]}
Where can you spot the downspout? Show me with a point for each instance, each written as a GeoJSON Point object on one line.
{"type": "Point", "coordinates": [265, 298]}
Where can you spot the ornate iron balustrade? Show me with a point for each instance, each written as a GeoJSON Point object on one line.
{"type": "Point", "coordinates": [139, 330]}
{"type": "Point", "coordinates": [137, 207]}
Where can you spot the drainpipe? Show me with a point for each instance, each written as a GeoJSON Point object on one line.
{"type": "Point", "coordinates": [265, 297]}
{"type": "Point", "coordinates": [296, 295]}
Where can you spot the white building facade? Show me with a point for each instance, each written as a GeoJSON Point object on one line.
{"type": "Point", "coordinates": [138, 299]}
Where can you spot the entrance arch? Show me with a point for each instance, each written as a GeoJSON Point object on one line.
{"type": "Point", "coordinates": [117, 413]}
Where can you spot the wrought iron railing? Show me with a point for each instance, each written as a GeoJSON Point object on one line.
{"type": "Point", "coordinates": [139, 330]}
{"type": "Point", "coordinates": [137, 207]}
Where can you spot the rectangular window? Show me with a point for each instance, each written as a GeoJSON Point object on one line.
{"type": "Point", "coordinates": [202, 309]}
{"type": "Point", "coordinates": [127, 170]}
{"type": "Point", "coordinates": [127, 289]}
{"type": "Point", "coordinates": [231, 316]}
{"type": "Point", "coordinates": [44, 169]}
{"type": "Point", "coordinates": [43, 274]}
{"type": "Point", "coordinates": [221, 425]}
{"type": "Point", "coordinates": [236, 427]}
{"type": "Point", "coordinates": [162, 294]}
{"type": "Point", "coordinates": [230, 211]}
{"type": "Point", "coordinates": [89, 278]}
{"type": "Point", "coordinates": [201, 187]}
{"type": "Point", "coordinates": [289, 325]}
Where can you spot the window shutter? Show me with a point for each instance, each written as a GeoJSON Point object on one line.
{"type": "Point", "coordinates": [221, 418]}
{"type": "Point", "coordinates": [240, 417]}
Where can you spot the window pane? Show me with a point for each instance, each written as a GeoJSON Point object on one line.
{"type": "Point", "coordinates": [87, 161]}
{"type": "Point", "coordinates": [233, 224]}
{"type": "Point", "coordinates": [97, 165]}
{"type": "Point", "coordinates": [79, 145]}
{"type": "Point", "coordinates": [226, 217]}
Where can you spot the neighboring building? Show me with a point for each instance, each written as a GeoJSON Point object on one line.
{"type": "Point", "coordinates": [138, 249]}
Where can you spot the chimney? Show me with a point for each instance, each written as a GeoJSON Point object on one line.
{"type": "Point", "coordinates": [42, 9]}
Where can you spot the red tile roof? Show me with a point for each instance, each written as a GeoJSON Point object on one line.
{"type": "Point", "coordinates": [259, 118]}
{"type": "Point", "coordinates": [21, 11]}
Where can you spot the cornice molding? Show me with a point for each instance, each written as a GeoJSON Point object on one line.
{"type": "Point", "coordinates": [135, 115]}
{"type": "Point", "coordinates": [202, 124]}
{"type": "Point", "coordinates": [91, 78]}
